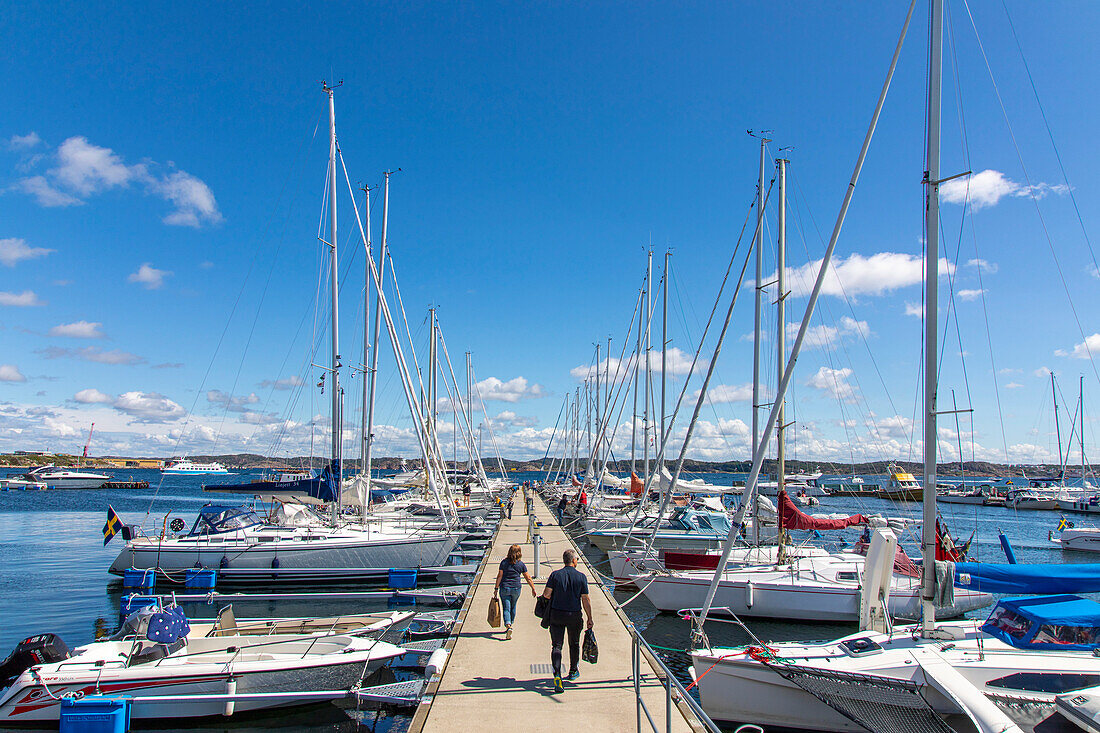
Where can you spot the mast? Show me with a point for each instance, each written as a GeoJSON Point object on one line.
{"type": "Point", "coordinates": [664, 341]}
{"type": "Point", "coordinates": [1080, 411]}
{"type": "Point", "coordinates": [469, 407]}
{"type": "Point", "coordinates": [931, 317]}
{"type": "Point", "coordinates": [430, 412]}
{"type": "Point", "coordinates": [334, 286]}
{"type": "Point", "coordinates": [377, 324]}
{"type": "Point", "coordinates": [1058, 429]}
{"type": "Point", "coordinates": [366, 341]}
{"type": "Point", "coordinates": [645, 378]}
{"type": "Point", "coordinates": [607, 398]}
{"type": "Point", "coordinates": [781, 340]}
{"type": "Point", "coordinates": [594, 456]}
{"type": "Point", "coordinates": [759, 239]}
{"type": "Point", "coordinates": [634, 414]}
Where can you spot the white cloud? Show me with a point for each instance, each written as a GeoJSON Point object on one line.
{"type": "Point", "coordinates": [828, 337]}
{"type": "Point", "coordinates": [194, 201]}
{"type": "Point", "coordinates": [45, 193]}
{"type": "Point", "coordinates": [1086, 350]}
{"type": "Point", "coordinates": [514, 390]}
{"type": "Point", "coordinates": [914, 309]}
{"type": "Point", "coordinates": [206, 265]}
{"type": "Point", "coordinates": [1042, 372]}
{"type": "Point", "coordinates": [970, 294]}
{"type": "Point", "coordinates": [983, 265]}
{"type": "Point", "coordinates": [507, 417]}
{"type": "Point", "coordinates": [149, 407]}
{"type": "Point", "coordinates": [1013, 385]}
{"type": "Point", "coordinates": [720, 394]}
{"type": "Point", "coordinates": [986, 188]}
{"type": "Point", "coordinates": [84, 170]}
{"type": "Point", "coordinates": [289, 383]}
{"type": "Point", "coordinates": [14, 250]}
{"type": "Point", "coordinates": [148, 276]}
{"type": "Point", "coordinates": [25, 299]}
{"type": "Point", "coordinates": [91, 353]}
{"type": "Point", "coordinates": [11, 373]}
{"type": "Point", "coordinates": [92, 397]}
{"type": "Point", "coordinates": [233, 404]}
{"type": "Point", "coordinates": [678, 363]}
{"type": "Point", "coordinates": [834, 382]}
{"type": "Point", "coordinates": [880, 273]}
{"type": "Point", "coordinates": [24, 142]}
{"type": "Point", "coordinates": [78, 330]}
{"type": "Point", "coordinates": [1093, 271]}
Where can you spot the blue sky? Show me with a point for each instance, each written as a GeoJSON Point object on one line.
{"type": "Point", "coordinates": [162, 169]}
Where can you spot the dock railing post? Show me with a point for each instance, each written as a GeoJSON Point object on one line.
{"type": "Point", "coordinates": [536, 542]}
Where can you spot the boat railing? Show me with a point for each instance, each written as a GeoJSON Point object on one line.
{"type": "Point", "coordinates": [675, 693]}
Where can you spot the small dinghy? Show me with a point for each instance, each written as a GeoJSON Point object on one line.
{"type": "Point", "coordinates": [169, 660]}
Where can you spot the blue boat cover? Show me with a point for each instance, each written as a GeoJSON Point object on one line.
{"type": "Point", "coordinates": [1028, 579]}
{"type": "Point", "coordinates": [1047, 622]}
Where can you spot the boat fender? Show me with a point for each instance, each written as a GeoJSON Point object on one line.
{"type": "Point", "coordinates": [436, 662]}
{"type": "Point", "coordinates": [275, 563]}
{"type": "Point", "coordinates": [230, 689]}
{"type": "Point", "coordinates": [748, 594]}
{"type": "Point", "coordinates": [224, 562]}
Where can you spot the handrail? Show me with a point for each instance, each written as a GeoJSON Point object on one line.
{"type": "Point", "coordinates": [668, 681]}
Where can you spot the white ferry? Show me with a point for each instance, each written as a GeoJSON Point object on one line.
{"type": "Point", "coordinates": [183, 466]}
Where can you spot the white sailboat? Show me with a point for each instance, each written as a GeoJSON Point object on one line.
{"type": "Point", "coordinates": [1000, 676]}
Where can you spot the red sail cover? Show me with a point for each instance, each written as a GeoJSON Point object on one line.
{"type": "Point", "coordinates": [637, 487]}
{"type": "Point", "coordinates": [791, 518]}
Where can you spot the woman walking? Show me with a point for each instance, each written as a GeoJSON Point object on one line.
{"type": "Point", "coordinates": [509, 584]}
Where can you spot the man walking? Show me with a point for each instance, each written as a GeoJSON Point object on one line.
{"type": "Point", "coordinates": [567, 589]}
{"type": "Point", "coordinates": [562, 503]}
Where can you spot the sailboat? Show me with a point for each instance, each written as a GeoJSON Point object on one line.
{"type": "Point", "coordinates": [1003, 675]}
{"type": "Point", "coordinates": [245, 547]}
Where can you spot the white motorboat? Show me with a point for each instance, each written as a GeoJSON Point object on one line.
{"type": "Point", "coordinates": [64, 478]}
{"type": "Point", "coordinates": [187, 467]}
{"type": "Point", "coordinates": [236, 542]}
{"type": "Point", "coordinates": [23, 483]}
{"type": "Point", "coordinates": [1077, 538]}
{"type": "Point", "coordinates": [164, 662]}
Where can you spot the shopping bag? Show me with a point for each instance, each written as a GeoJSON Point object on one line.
{"type": "Point", "coordinates": [494, 612]}
{"type": "Point", "coordinates": [589, 651]}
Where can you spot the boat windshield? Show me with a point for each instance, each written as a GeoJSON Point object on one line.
{"type": "Point", "coordinates": [219, 519]}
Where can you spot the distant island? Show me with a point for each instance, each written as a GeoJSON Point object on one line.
{"type": "Point", "coordinates": [253, 461]}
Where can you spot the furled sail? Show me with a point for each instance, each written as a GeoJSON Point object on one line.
{"type": "Point", "coordinates": [791, 518]}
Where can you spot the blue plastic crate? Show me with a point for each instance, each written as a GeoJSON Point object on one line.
{"type": "Point", "coordinates": [134, 578]}
{"type": "Point", "coordinates": [402, 578]}
{"type": "Point", "coordinates": [95, 714]}
{"type": "Point", "coordinates": [200, 578]}
{"type": "Point", "coordinates": [134, 602]}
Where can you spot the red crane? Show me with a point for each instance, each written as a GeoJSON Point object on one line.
{"type": "Point", "coordinates": [88, 443]}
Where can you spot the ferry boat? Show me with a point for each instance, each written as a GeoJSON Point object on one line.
{"type": "Point", "coordinates": [184, 466]}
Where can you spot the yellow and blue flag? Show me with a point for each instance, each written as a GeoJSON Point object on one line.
{"type": "Point", "coordinates": [113, 525]}
{"type": "Point", "coordinates": [1063, 525]}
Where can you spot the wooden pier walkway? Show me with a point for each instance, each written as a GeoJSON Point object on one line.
{"type": "Point", "coordinates": [496, 685]}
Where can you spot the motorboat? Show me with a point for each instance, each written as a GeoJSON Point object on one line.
{"type": "Point", "coordinates": [1069, 537]}
{"type": "Point", "coordinates": [901, 486]}
{"type": "Point", "coordinates": [167, 660]}
{"type": "Point", "coordinates": [23, 483]}
{"type": "Point", "coordinates": [186, 467]}
{"type": "Point", "coordinates": [244, 548]}
{"type": "Point", "coordinates": [55, 477]}
{"type": "Point", "coordinates": [687, 528]}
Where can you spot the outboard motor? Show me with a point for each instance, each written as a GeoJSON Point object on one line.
{"type": "Point", "coordinates": [41, 649]}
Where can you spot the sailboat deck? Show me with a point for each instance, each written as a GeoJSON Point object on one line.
{"type": "Point", "coordinates": [493, 684]}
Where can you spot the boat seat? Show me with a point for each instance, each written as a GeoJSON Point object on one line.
{"type": "Point", "coordinates": [154, 652]}
{"type": "Point", "coordinates": [226, 623]}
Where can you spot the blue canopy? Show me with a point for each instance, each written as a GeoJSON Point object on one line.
{"type": "Point", "coordinates": [1047, 622]}
{"type": "Point", "coordinates": [1028, 579]}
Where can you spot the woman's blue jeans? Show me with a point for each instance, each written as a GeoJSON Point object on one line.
{"type": "Point", "coordinates": [508, 599]}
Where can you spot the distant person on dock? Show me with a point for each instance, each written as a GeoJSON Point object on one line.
{"type": "Point", "coordinates": [583, 500]}
{"type": "Point", "coordinates": [567, 589]}
{"type": "Point", "coordinates": [562, 503]}
{"type": "Point", "coordinates": [511, 501]}
{"type": "Point", "coordinates": [512, 572]}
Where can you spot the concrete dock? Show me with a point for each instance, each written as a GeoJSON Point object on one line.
{"type": "Point", "coordinates": [498, 685]}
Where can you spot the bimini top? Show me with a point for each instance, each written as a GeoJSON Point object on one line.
{"type": "Point", "coordinates": [214, 519]}
{"type": "Point", "coordinates": [1046, 622]}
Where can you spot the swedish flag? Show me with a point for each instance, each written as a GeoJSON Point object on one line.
{"type": "Point", "coordinates": [113, 525]}
{"type": "Point", "coordinates": [1063, 524]}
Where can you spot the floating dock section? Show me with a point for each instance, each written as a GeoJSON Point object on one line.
{"type": "Point", "coordinates": [492, 684]}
